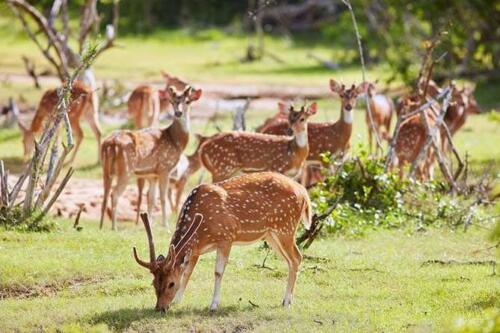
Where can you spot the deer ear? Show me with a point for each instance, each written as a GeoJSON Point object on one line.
{"type": "Point", "coordinates": [362, 88]}
{"type": "Point", "coordinates": [165, 75]}
{"type": "Point", "coordinates": [335, 86]}
{"type": "Point", "coordinates": [195, 94]}
{"type": "Point", "coordinates": [282, 108]}
{"type": "Point", "coordinates": [311, 109]}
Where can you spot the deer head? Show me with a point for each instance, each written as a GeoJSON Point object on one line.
{"type": "Point", "coordinates": [348, 96]}
{"type": "Point", "coordinates": [181, 100]}
{"type": "Point", "coordinates": [168, 272]}
{"type": "Point", "coordinates": [297, 118]}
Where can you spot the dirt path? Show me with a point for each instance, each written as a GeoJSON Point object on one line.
{"type": "Point", "coordinates": [87, 194]}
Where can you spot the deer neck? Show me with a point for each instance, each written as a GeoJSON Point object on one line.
{"type": "Point", "coordinates": [179, 131]}
{"type": "Point", "coordinates": [346, 117]}
{"type": "Point", "coordinates": [300, 142]}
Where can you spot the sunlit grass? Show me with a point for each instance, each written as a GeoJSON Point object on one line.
{"type": "Point", "coordinates": [373, 284]}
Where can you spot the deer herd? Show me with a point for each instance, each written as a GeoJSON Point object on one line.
{"type": "Point", "coordinates": [259, 179]}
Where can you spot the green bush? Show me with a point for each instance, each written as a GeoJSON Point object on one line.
{"type": "Point", "coordinates": [14, 219]}
{"type": "Point", "coordinates": [368, 197]}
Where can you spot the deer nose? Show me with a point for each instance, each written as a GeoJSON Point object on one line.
{"type": "Point", "coordinates": [348, 107]}
{"type": "Point", "coordinates": [178, 113]}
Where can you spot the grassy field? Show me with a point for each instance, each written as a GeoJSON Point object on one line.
{"type": "Point", "coordinates": [88, 280]}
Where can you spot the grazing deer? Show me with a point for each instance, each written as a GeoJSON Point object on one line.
{"type": "Point", "coordinates": [81, 105]}
{"type": "Point", "coordinates": [150, 153]}
{"type": "Point", "coordinates": [381, 108]}
{"type": "Point", "coordinates": [226, 154]}
{"type": "Point", "coordinates": [242, 210]}
{"type": "Point", "coordinates": [411, 138]}
{"type": "Point", "coordinates": [280, 117]}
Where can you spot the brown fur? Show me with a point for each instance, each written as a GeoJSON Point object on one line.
{"type": "Point", "coordinates": [241, 210]}
{"type": "Point", "coordinates": [226, 154]}
{"type": "Point", "coordinates": [81, 105]}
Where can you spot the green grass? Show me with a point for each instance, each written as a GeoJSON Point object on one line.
{"type": "Point", "coordinates": [69, 279]}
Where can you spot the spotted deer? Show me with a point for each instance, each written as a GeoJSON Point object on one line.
{"type": "Point", "coordinates": [333, 137]}
{"type": "Point", "coordinates": [81, 105]}
{"type": "Point", "coordinates": [411, 138]}
{"type": "Point", "coordinates": [381, 108]}
{"type": "Point", "coordinates": [185, 167]}
{"type": "Point", "coordinates": [226, 154]}
{"type": "Point", "coordinates": [463, 104]}
{"type": "Point", "coordinates": [239, 211]}
{"type": "Point", "coordinates": [150, 153]}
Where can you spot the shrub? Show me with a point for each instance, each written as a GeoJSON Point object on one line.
{"type": "Point", "coordinates": [13, 219]}
{"type": "Point", "coordinates": [368, 197]}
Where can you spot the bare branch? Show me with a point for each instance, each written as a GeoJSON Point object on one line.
{"type": "Point", "coordinates": [363, 71]}
{"type": "Point", "coordinates": [43, 24]}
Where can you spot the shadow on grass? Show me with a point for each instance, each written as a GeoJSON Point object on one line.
{"type": "Point", "coordinates": [483, 303]}
{"type": "Point", "coordinates": [15, 165]}
{"type": "Point", "coordinates": [123, 318]}
{"type": "Point", "coordinates": [89, 167]}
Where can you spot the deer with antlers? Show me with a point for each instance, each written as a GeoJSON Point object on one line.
{"type": "Point", "coordinates": [382, 108]}
{"type": "Point", "coordinates": [81, 105]}
{"type": "Point", "coordinates": [150, 153]}
{"type": "Point", "coordinates": [226, 154]}
{"type": "Point", "coordinates": [242, 210]}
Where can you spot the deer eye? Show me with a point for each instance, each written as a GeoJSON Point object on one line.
{"type": "Point", "coordinates": [302, 120]}
{"type": "Point", "coordinates": [171, 285]}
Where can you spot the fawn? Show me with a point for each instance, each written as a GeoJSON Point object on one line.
{"type": "Point", "coordinates": [382, 108]}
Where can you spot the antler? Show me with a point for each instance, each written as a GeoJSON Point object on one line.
{"type": "Point", "coordinates": [152, 265]}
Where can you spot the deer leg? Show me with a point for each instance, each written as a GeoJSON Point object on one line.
{"type": "Point", "coordinates": [179, 190]}
{"type": "Point", "coordinates": [120, 186]}
{"type": "Point", "coordinates": [78, 135]}
{"type": "Point", "coordinates": [172, 191]}
{"type": "Point", "coordinates": [220, 264]}
{"type": "Point", "coordinates": [185, 278]}
{"type": "Point", "coordinates": [151, 195]}
{"type": "Point", "coordinates": [370, 142]}
{"type": "Point", "coordinates": [164, 182]}
{"type": "Point", "coordinates": [286, 247]}
{"type": "Point", "coordinates": [140, 187]}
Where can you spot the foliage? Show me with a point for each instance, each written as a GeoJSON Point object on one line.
{"type": "Point", "coordinates": [368, 197]}
{"type": "Point", "coordinates": [14, 219]}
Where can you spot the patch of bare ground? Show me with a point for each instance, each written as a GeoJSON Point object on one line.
{"type": "Point", "coordinates": [19, 291]}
